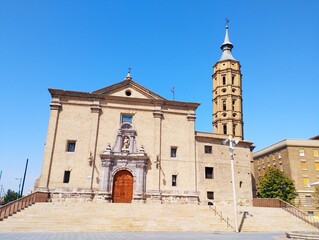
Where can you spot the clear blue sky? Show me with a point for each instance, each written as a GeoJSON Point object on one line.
{"type": "Point", "coordinates": [86, 45]}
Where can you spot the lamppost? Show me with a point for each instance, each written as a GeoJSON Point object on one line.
{"type": "Point", "coordinates": [232, 143]}
{"type": "Point", "coordinates": [19, 193]}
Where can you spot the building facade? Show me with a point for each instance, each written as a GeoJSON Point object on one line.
{"type": "Point", "coordinates": [299, 160]}
{"type": "Point", "coordinates": [125, 143]}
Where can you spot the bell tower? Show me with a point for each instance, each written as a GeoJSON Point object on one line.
{"type": "Point", "coordinates": [227, 93]}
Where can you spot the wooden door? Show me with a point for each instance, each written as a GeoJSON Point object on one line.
{"type": "Point", "coordinates": [123, 187]}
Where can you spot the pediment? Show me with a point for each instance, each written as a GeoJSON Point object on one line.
{"type": "Point", "coordinates": [128, 88]}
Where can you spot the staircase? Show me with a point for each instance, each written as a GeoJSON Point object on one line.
{"type": "Point", "coordinates": [267, 219]}
{"type": "Point", "coordinates": [76, 216]}
{"type": "Point", "coordinates": [105, 217]}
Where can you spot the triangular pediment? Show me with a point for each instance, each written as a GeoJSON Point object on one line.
{"type": "Point", "coordinates": [128, 88]}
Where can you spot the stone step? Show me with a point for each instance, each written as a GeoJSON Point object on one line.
{"type": "Point", "coordinates": [273, 219]}
{"type": "Point", "coordinates": [113, 217]}
{"type": "Point", "coordinates": [74, 216]}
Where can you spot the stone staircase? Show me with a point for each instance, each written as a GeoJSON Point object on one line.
{"type": "Point", "coordinates": [76, 216]}
{"type": "Point", "coordinates": [267, 219]}
{"type": "Point", "coordinates": [98, 217]}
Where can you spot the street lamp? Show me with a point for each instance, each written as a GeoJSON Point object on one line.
{"type": "Point", "coordinates": [232, 143]}
{"type": "Point", "coordinates": [313, 184]}
{"type": "Point", "coordinates": [19, 194]}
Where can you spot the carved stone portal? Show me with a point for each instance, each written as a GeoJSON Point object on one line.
{"type": "Point", "coordinates": [124, 156]}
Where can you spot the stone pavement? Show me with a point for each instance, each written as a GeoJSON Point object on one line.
{"type": "Point", "coordinates": [142, 236]}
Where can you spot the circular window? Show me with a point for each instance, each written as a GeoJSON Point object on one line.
{"type": "Point", "coordinates": [234, 114]}
{"type": "Point", "coordinates": [234, 90]}
{"type": "Point", "coordinates": [128, 93]}
{"type": "Point", "coordinates": [224, 90]}
{"type": "Point", "coordinates": [224, 114]}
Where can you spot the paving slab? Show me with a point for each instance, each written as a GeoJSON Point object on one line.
{"type": "Point", "coordinates": [142, 236]}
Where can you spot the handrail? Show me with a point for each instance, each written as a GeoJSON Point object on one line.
{"type": "Point", "coordinates": [15, 206]}
{"type": "Point", "coordinates": [278, 203]}
{"type": "Point", "coordinates": [298, 213]}
{"type": "Point", "coordinates": [227, 220]}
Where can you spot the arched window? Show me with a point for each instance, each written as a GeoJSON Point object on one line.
{"type": "Point", "coordinates": [225, 129]}
{"type": "Point", "coordinates": [233, 105]}
{"type": "Point", "coordinates": [233, 80]}
{"type": "Point", "coordinates": [224, 80]}
{"type": "Point", "coordinates": [224, 105]}
{"type": "Point", "coordinates": [234, 129]}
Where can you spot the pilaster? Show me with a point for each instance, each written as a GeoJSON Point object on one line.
{"type": "Point", "coordinates": [94, 133]}
{"type": "Point", "coordinates": [55, 108]}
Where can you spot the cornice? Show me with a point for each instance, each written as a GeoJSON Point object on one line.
{"type": "Point", "coordinates": [57, 93]}
{"type": "Point", "coordinates": [216, 137]}
{"type": "Point", "coordinates": [287, 143]}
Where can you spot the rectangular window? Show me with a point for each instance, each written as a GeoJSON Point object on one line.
{"type": "Point", "coordinates": [301, 152]}
{"type": "Point", "coordinates": [210, 195]}
{"type": "Point", "coordinates": [279, 155]}
{"type": "Point", "coordinates": [174, 180]}
{"type": "Point", "coordinates": [317, 165]}
{"type": "Point", "coordinates": [303, 165]}
{"type": "Point", "coordinates": [70, 146]}
{"type": "Point", "coordinates": [126, 118]}
{"type": "Point", "coordinates": [173, 152]}
{"type": "Point", "coordinates": [305, 181]}
{"type": "Point", "coordinates": [66, 178]}
{"type": "Point", "coordinates": [310, 213]}
{"type": "Point", "coordinates": [315, 153]}
{"type": "Point", "coordinates": [209, 173]}
{"type": "Point", "coordinates": [208, 149]}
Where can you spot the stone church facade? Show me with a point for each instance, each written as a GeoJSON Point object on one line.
{"type": "Point", "coordinates": [125, 143]}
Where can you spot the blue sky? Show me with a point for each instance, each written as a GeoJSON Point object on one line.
{"type": "Point", "coordinates": [86, 45]}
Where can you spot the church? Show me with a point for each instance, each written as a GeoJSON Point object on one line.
{"type": "Point", "coordinates": [125, 143]}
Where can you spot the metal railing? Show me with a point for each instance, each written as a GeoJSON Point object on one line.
{"type": "Point", "coordinates": [15, 206]}
{"type": "Point", "coordinates": [278, 203]}
{"type": "Point", "coordinates": [220, 214]}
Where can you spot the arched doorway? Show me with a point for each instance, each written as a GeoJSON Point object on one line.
{"type": "Point", "coordinates": [122, 187]}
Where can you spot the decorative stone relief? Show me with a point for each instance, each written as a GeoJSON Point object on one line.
{"type": "Point", "coordinates": [124, 156]}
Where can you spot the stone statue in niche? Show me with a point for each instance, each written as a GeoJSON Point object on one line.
{"type": "Point", "coordinates": [126, 142]}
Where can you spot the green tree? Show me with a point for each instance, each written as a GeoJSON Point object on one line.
{"type": "Point", "coordinates": [276, 185]}
{"type": "Point", "coordinates": [10, 196]}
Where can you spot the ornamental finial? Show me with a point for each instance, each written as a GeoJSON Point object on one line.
{"type": "Point", "coordinates": [128, 76]}
{"type": "Point", "coordinates": [227, 21]}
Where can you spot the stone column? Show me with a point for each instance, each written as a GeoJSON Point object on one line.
{"type": "Point", "coordinates": [105, 175]}
{"type": "Point", "coordinates": [140, 166]}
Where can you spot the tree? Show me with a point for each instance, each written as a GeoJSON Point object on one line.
{"type": "Point", "coordinates": [276, 185]}
{"type": "Point", "coordinates": [10, 196]}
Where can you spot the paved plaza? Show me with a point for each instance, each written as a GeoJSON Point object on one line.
{"type": "Point", "coordinates": [141, 236]}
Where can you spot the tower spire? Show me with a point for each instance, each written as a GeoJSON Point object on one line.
{"type": "Point", "coordinates": [227, 93]}
{"type": "Point", "coordinates": [227, 46]}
